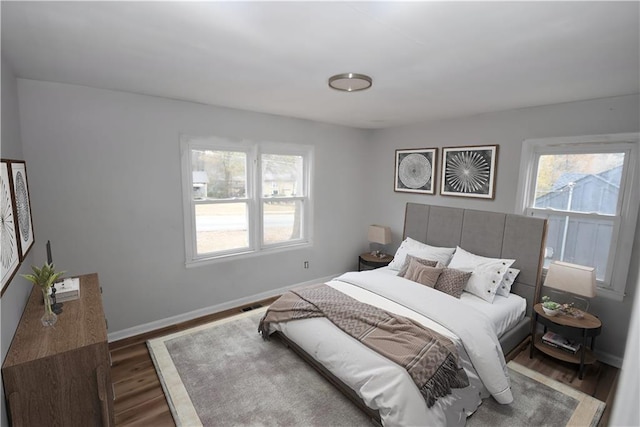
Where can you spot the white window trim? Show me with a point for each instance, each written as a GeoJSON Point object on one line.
{"type": "Point", "coordinates": [253, 150]}
{"type": "Point", "coordinates": [286, 149]}
{"type": "Point", "coordinates": [630, 199]}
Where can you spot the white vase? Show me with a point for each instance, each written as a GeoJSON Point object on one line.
{"type": "Point", "coordinates": [550, 312]}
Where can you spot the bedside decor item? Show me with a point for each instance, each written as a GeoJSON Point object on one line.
{"type": "Point", "coordinates": [380, 235]}
{"type": "Point", "coordinates": [558, 341]}
{"type": "Point", "coordinates": [10, 259]}
{"type": "Point", "coordinates": [469, 171]}
{"type": "Point", "coordinates": [577, 280]}
{"type": "Point", "coordinates": [550, 308]}
{"type": "Point", "coordinates": [416, 170]}
{"type": "Point", "coordinates": [45, 277]}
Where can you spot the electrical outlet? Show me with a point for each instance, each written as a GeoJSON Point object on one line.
{"type": "Point", "coordinates": [306, 264]}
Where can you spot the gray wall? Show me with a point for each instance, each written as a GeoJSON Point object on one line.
{"type": "Point", "coordinates": [16, 294]}
{"type": "Point", "coordinates": [105, 181]}
{"type": "Point", "coordinates": [508, 130]}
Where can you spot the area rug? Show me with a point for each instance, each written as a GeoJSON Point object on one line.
{"type": "Point", "coordinates": [538, 401]}
{"type": "Point", "coordinates": [223, 374]}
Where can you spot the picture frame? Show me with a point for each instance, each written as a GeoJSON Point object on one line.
{"type": "Point", "coordinates": [415, 170]}
{"type": "Point", "coordinates": [469, 171]}
{"type": "Point", "coordinates": [10, 255]}
{"type": "Point", "coordinates": [22, 207]}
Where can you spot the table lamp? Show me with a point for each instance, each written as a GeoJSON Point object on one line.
{"type": "Point", "coordinates": [572, 278]}
{"type": "Point", "coordinates": [379, 234]}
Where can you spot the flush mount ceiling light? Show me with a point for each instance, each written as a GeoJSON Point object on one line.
{"type": "Point", "coordinates": [350, 82]}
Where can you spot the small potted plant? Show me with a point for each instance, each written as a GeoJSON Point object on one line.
{"type": "Point", "coordinates": [550, 308]}
{"type": "Point", "coordinates": [45, 277]}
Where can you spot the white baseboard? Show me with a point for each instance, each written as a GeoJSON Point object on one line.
{"type": "Point", "coordinates": [609, 359]}
{"type": "Point", "coordinates": [173, 320]}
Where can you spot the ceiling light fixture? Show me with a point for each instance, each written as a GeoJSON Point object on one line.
{"type": "Point", "coordinates": [350, 82]}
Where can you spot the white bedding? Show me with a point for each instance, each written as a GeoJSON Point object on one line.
{"type": "Point", "coordinates": [505, 312]}
{"type": "Point", "coordinates": [387, 387]}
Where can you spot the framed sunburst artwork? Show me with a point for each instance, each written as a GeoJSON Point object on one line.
{"type": "Point", "coordinates": [9, 256]}
{"type": "Point", "coordinates": [469, 171]}
{"type": "Point", "coordinates": [416, 170]}
{"type": "Point", "coordinates": [22, 206]}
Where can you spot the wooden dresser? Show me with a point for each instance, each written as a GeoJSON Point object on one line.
{"type": "Point", "coordinates": [60, 375]}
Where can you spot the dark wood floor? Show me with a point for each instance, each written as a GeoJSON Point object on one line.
{"type": "Point", "coordinates": [140, 400]}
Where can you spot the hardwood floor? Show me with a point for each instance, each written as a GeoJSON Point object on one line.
{"type": "Point", "coordinates": [140, 400]}
{"type": "Point", "coordinates": [599, 380]}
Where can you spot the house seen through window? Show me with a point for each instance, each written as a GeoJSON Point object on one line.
{"type": "Point", "coordinates": [245, 197]}
{"type": "Point", "coordinates": [587, 189]}
{"type": "Point", "coordinates": [583, 190]}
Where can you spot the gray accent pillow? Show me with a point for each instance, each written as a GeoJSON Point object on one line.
{"type": "Point", "coordinates": [405, 266]}
{"type": "Point", "coordinates": [452, 281]}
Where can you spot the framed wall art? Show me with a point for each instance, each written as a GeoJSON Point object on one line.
{"type": "Point", "coordinates": [469, 171]}
{"type": "Point", "coordinates": [22, 206]}
{"type": "Point", "coordinates": [416, 170]}
{"type": "Point", "coordinates": [9, 256]}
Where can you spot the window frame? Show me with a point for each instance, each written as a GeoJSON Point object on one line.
{"type": "Point", "coordinates": [253, 197]}
{"type": "Point", "coordinates": [288, 150]}
{"type": "Point", "coordinates": [614, 284]}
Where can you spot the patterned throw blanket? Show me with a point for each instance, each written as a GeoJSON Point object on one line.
{"type": "Point", "coordinates": [430, 358]}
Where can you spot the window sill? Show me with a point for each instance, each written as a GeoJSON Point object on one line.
{"type": "Point", "coordinates": [245, 255]}
{"type": "Point", "coordinates": [610, 294]}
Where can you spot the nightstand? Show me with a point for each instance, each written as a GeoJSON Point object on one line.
{"type": "Point", "coordinates": [570, 327]}
{"type": "Point", "coordinates": [366, 261]}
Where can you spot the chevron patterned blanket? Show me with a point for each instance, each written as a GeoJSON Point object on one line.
{"type": "Point", "coordinates": [430, 358]}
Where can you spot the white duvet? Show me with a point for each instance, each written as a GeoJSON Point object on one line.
{"type": "Point", "coordinates": [384, 385]}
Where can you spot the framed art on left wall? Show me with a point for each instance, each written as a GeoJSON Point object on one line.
{"type": "Point", "coordinates": [10, 256]}
{"type": "Point", "coordinates": [22, 206]}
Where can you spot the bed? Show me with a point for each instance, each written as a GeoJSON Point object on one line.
{"type": "Point", "coordinates": [485, 332]}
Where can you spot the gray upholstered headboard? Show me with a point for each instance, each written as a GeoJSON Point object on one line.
{"type": "Point", "coordinates": [489, 234]}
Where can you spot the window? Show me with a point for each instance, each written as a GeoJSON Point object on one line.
{"type": "Point", "coordinates": [586, 187]}
{"type": "Point", "coordinates": [244, 198]}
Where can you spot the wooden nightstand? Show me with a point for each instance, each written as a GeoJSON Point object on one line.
{"type": "Point", "coordinates": [366, 261]}
{"type": "Point", "coordinates": [569, 327]}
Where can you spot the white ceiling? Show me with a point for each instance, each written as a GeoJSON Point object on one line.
{"type": "Point", "coordinates": [428, 60]}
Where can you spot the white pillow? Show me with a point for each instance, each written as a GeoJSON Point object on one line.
{"type": "Point", "coordinates": [507, 281]}
{"type": "Point", "coordinates": [487, 273]}
{"type": "Point", "coordinates": [420, 250]}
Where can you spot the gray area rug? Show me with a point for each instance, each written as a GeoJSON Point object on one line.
{"type": "Point", "coordinates": [223, 374]}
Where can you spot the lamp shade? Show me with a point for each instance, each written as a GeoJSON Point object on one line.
{"type": "Point", "coordinates": [379, 234]}
{"type": "Point", "coordinates": [572, 278]}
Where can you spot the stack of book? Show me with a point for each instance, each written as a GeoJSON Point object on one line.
{"type": "Point", "coordinates": [558, 341]}
{"type": "Point", "coordinates": [68, 290]}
